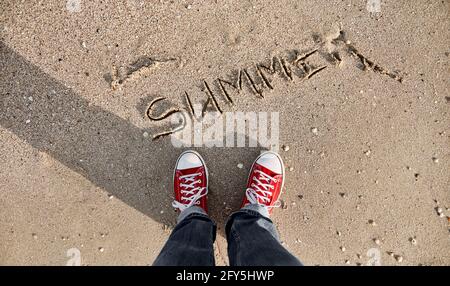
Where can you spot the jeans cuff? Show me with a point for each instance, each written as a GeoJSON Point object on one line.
{"type": "Point", "coordinates": [190, 210]}
{"type": "Point", "coordinates": [262, 210]}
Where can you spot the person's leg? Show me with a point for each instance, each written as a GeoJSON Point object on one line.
{"type": "Point", "coordinates": [191, 242]}
{"type": "Point", "coordinates": [252, 237]}
{"type": "Point", "coordinates": [253, 240]}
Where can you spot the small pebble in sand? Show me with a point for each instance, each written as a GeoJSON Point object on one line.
{"type": "Point", "coordinates": [110, 197]}
{"type": "Point", "coordinates": [399, 258]}
{"type": "Point", "coordinates": [347, 261]}
{"type": "Point", "coordinates": [343, 195]}
{"type": "Point", "coordinates": [291, 169]}
{"type": "Point", "coordinates": [342, 248]}
{"type": "Point", "coordinates": [240, 165]}
{"type": "Point", "coordinates": [27, 121]}
{"type": "Point", "coordinates": [314, 131]}
{"type": "Point", "coordinates": [367, 153]}
{"type": "Point", "coordinates": [439, 210]}
{"type": "Point", "coordinates": [435, 160]}
{"type": "Point", "coordinates": [377, 241]}
{"type": "Point", "coordinates": [300, 197]}
{"type": "Point", "coordinates": [161, 212]}
{"type": "Point", "coordinates": [189, 6]}
{"type": "Point", "coordinates": [338, 233]}
{"type": "Point", "coordinates": [101, 249]}
{"type": "Point", "coordinates": [285, 148]}
{"type": "Point", "coordinates": [34, 235]}
{"type": "Point", "coordinates": [359, 256]}
{"type": "Point", "coordinates": [372, 222]}
{"type": "Point", "coordinates": [145, 134]}
{"type": "Point", "coordinates": [413, 240]}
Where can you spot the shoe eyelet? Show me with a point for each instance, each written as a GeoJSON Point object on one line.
{"type": "Point", "coordinates": [275, 180]}
{"type": "Point", "coordinates": [197, 202]}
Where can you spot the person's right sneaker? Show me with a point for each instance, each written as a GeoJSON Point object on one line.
{"type": "Point", "coordinates": [265, 181]}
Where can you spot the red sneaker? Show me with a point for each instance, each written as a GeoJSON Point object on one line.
{"type": "Point", "coordinates": [265, 181]}
{"type": "Point", "coordinates": [190, 181]}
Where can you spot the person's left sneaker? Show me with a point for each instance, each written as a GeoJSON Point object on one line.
{"type": "Point", "coordinates": [190, 181]}
{"type": "Point", "coordinates": [265, 181]}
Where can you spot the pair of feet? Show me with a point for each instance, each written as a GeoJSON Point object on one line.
{"type": "Point", "coordinates": [264, 184]}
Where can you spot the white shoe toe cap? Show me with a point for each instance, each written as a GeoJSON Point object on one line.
{"type": "Point", "coordinates": [189, 160]}
{"type": "Point", "coordinates": [271, 161]}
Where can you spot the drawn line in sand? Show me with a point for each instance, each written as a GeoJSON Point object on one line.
{"type": "Point", "coordinates": [366, 63]}
{"type": "Point", "coordinates": [370, 65]}
{"type": "Point", "coordinates": [310, 75]}
{"type": "Point", "coordinates": [138, 69]}
{"type": "Point", "coordinates": [244, 72]}
{"type": "Point", "coordinates": [222, 87]}
{"type": "Point", "coordinates": [164, 116]}
{"type": "Point", "coordinates": [258, 77]}
{"type": "Point", "coordinates": [212, 97]}
{"type": "Point", "coordinates": [278, 66]}
{"type": "Point", "coordinates": [284, 67]}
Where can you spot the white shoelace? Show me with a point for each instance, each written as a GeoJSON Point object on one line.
{"type": "Point", "coordinates": [260, 193]}
{"type": "Point", "coordinates": [189, 192]}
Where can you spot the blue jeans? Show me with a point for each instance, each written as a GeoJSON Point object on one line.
{"type": "Point", "coordinates": [252, 240]}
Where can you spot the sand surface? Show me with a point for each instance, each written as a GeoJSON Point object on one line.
{"type": "Point", "coordinates": [368, 134]}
